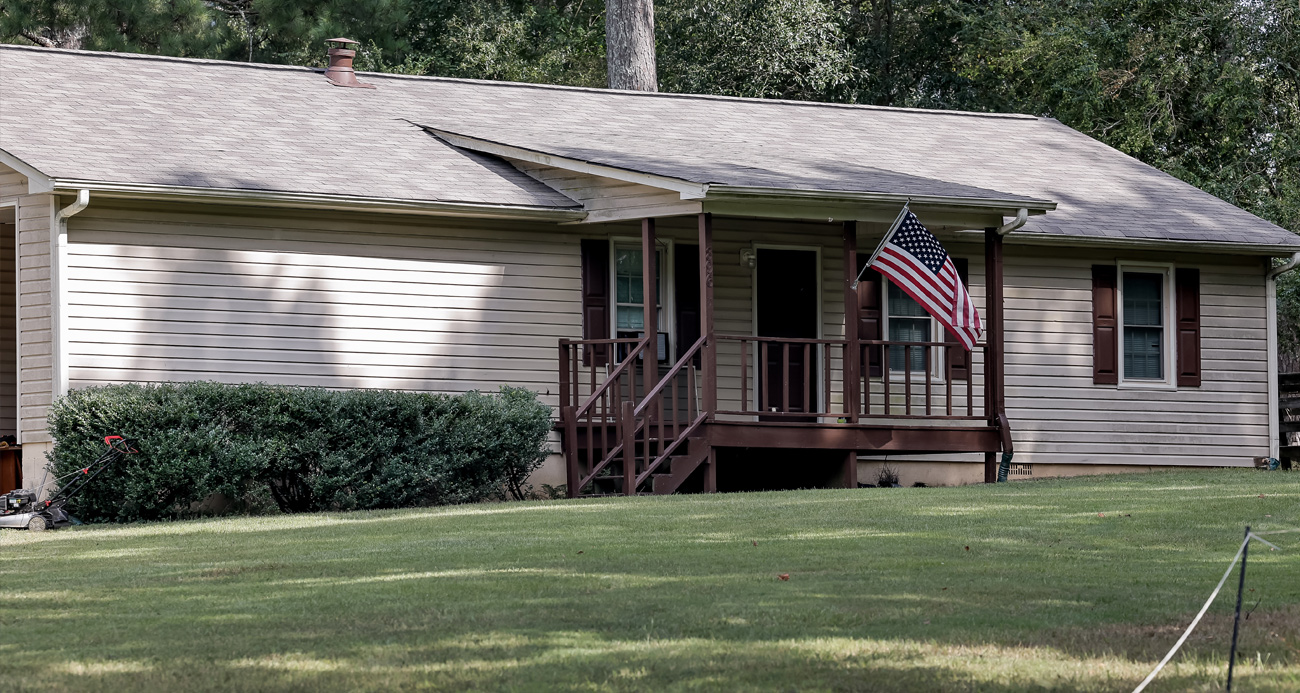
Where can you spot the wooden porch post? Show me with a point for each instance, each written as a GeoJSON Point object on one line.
{"type": "Point", "coordinates": [572, 475]}
{"type": "Point", "coordinates": [851, 469]}
{"type": "Point", "coordinates": [994, 372]}
{"type": "Point", "coordinates": [650, 293]}
{"type": "Point", "coordinates": [709, 359]}
{"type": "Point", "coordinates": [853, 353]}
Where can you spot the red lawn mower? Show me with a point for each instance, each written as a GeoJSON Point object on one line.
{"type": "Point", "coordinates": [20, 509]}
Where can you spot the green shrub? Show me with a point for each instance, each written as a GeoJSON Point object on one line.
{"type": "Point", "coordinates": [309, 449]}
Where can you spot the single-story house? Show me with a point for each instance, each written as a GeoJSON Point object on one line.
{"type": "Point", "coordinates": [172, 219]}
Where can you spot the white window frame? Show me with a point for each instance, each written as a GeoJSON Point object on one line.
{"type": "Point", "coordinates": [937, 334]}
{"type": "Point", "coordinates": [1170, 364]}
{"type": "Point", "coordinates": [668, 310]}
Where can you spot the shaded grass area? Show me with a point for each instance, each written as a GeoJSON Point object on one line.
{"type": "Point", "coordinates": [1014, 587]}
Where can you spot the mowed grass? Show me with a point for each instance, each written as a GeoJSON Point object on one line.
{"type": "Point", "coordinates": [1022, 586]}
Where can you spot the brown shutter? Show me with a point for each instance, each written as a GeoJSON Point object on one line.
{"type": "Point", "coordinates": [958, 356]}
{"type": "Point", "coordinates": [1105, 331]}
{"type": "Point", "coordinates": [870, 316]}
{"type": "Point", "coordinates": [686, 292]}
{"type": "Point", "coordinates": [1187, 287]}
{"type": "Point", "coordinates": [595, 299]}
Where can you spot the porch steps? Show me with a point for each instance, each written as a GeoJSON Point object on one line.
{"type": "Point", "coordinates": [681, 467]}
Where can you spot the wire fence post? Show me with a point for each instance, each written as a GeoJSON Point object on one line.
{"type": "Point", "coordinates": [1236, 619]}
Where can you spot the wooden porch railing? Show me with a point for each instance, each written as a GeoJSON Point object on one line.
{"type": "Point", "coordinates": [615, 429]}
{"type": "Point", "coordinates": [809, 371]}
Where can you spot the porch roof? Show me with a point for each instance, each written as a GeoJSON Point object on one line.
{"type": "Point", "coordinates": [167, 124]}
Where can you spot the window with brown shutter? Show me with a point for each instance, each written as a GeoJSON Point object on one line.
{"type": "Point", "coordinates": [870, 322]}
{"type": "Point", "coordinates": [595, 299]}
{"type": "Point", "coordinates": [958, 356]}
{"type": "Point", "coordinates": [1187, 288]}
{"type": "Point", "coordinates": [1105, 329]}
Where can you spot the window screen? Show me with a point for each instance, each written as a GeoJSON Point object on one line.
{"type": "Point", "coordinates": [908, 322]}
{"type": "Point", "coordinates": [629, 292]}
{"type": "Point", "coordinates": [1143, 326]}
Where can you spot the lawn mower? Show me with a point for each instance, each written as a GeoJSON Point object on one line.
{"type": "Point", "coordinates": [20, 508]}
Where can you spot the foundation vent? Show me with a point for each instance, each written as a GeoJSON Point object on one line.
{"type": "Point", "coordinates": [1021, 470]}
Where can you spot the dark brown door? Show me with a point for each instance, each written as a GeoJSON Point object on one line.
{"type": "Point", "coordinates": [786, 293]}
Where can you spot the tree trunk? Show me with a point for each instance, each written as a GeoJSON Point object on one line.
{"type": "Point", "coordinates": [630, 44]}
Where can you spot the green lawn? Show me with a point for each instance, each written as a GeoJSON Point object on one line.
{"type": "Point", "coordinates": [1022, 586]}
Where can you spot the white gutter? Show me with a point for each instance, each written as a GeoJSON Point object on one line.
{"type": "Point", "coordinates": [1164, 245]}
{"type": "Point", "coordinates": [58, 290]}
{"type": "Point", "coordinates": [273, 198]}
{"type": "Point", "coordinates": [720, 192]}
{"type": "Point", "coordinates": [1022, 215]}
{"type": "Point", "coordinates": [1270, 294]}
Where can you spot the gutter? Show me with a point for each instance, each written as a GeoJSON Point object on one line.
{"type": "Point", "coordinates": [274, 198]}
{"type": "Point", "coordinates": [1022, 205]}
{"type": "Point", "coordinates": [1163, 245]}
{"type": "Point", "coordinates": [58, 290]}
{"type": "Point", "coordinates": [1270, 294]}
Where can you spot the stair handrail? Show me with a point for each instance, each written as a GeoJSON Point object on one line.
{"type": "Point", "coordinates": [670, 449]}
{"type": "Point", "coordinates": [672, 373]}
{"type": "Point", "coordinates": [638, 414]}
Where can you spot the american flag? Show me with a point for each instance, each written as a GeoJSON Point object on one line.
{"type": "Point", "coordinates": [912, 258]}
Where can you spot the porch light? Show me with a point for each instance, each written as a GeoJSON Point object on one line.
{"type": "Point", "coordinates": [747, 258]}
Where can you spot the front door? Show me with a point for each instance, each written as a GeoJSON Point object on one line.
{"type": "Point", "coordinates": [786, 289]}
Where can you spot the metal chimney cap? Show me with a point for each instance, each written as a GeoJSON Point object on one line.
{"type": "Point", "coordinates": [342, 40]}
{"type": "Point", "coordinates": [340, 72]}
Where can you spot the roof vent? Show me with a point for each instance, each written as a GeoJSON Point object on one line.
{"type": "Point", "coordinates": [340, 72]}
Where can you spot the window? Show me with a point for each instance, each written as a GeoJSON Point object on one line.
{"type": "Point", "coordinates": [629, 295]}
{"type": "Point", "coordinates": [908, 322]}
{"type": "Point", "coordinates": [1144, 329]}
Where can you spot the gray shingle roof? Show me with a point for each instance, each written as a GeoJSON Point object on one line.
{"type": "Point", "coordinates": [166, 121]}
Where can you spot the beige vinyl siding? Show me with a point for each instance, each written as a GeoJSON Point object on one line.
{"type": "Point", "coordinates": [341, 301]}
{"type": "Point", "coordinates": [334, 301]}
{"type": "Point", "coordinates": [35, 316]}
{"type": "Point", "coordinates": [1058, 416]}
{"type": "Point", "coordinates": [12, 183]}
{"type": "Point", "coordinates": [606, 199]}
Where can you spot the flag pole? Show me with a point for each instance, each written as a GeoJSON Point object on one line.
{"type": "Point", "coordinates": [892, 228]}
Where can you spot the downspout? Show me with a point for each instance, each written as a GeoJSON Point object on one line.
{"type": "Point", "coordinates": [1270, 294]}
{"type": "Point", "coordinates": [58, 291]}
{"type": "Point", "coordinates": [1021, 217]}
{"type": "Point", "coordinates": [1004, 426]}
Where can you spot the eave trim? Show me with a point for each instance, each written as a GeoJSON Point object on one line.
{"type": "Point", "coordinates": [37, 182]}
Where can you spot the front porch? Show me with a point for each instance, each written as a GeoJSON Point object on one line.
{"type": "Point", "coordinates": [638, 416]}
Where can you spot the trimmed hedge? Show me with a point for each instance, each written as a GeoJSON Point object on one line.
{"type": "Point", "coordinates": [307, 449]}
